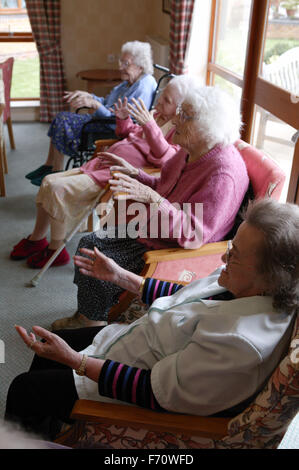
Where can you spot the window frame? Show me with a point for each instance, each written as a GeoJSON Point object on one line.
{"type": "Point", "coordinates": [255, 89]}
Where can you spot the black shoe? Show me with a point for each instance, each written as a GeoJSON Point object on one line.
{"type": "Point", "coordinates": [41, 171]}
{"type": "Point", "coordinates": [38, 181]}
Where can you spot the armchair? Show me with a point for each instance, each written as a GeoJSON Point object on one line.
{"type": "Point", "coordinates": [7, 67]}
{"type": "Point", "coordinates": [178, 264]}
{"type": "Point", "coordinates": [260, 426]}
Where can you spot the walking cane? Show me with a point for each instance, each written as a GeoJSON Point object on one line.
{"type": "Point", "coordinates": [35, 280]}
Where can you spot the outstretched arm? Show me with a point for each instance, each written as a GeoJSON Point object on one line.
{"type": "Point", "coordinates": [56, 349]}
{"type": "Point", "coordinates": [138, 387]}
{"type": "Point", "coordinates": [101, 267]}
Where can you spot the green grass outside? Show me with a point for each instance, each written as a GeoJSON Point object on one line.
{"type": "Point", "coordinates": [25, 79]}
{"type": "Point", "coordinates": [231, 51]}
{"type": "Point", "coordinates": [273, 49]}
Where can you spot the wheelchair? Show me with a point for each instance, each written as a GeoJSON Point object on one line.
{"type": "Point", "coordinates": [90, 134]}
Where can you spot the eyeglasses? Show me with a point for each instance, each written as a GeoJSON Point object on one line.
{"type": "Point", "coordinates": [183, 115]}
{"type": "Point", "coordinates": [124, 63]}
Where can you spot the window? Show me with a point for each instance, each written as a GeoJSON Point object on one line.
{"type": "Point", "coordinates": [247, 41]}
{"type": "Point", "coordinates": [12, 6]}
{"type": "Point", "coordinates": [232, 30]}
{"type": "Point", "coordinates": [16, 40]}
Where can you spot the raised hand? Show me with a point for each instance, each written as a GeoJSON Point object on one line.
{"type": "Point", "coordinates": [99, 266]}
{"type": "Point", "coordinates": [140, 112]}
{"type": "Point", "coordinates": [121, 109]}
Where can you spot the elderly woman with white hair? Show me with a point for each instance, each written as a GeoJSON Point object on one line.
{"type": "Point", "coordinates": [204, 349]}
{"type": "Point", "coordinates": [194, 201]}
{"type": "Point", "coordinates": [64, 197]}
{"type": "Point", "coordinates": [136, 68]}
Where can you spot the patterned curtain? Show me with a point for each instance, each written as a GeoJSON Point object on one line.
{"type": "Point", "coordinates": [180, 21]}
{"type": "Point", "coordinates": [44, 17]}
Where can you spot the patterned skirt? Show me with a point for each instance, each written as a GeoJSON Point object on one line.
{"type": "Point", "coordinates": [66, 129]}
{"type": "Point", "coordinates": [95, 297]}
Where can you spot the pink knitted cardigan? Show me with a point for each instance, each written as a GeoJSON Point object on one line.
{"type": "Point", "coordinates": [218, 179]}
{"type": "Point", "coordinates": [143, 146]}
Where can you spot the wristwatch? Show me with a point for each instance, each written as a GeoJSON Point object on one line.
{"type": "Point", "coordinates": [82, 367]}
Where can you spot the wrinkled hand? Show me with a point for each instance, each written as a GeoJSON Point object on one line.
{"type": "Point", "coordinates": [71, 95]}
{"type": "Point", "coordinates": [140, 112]}
{"type": "Point", "coordinates": [121, 109]}
{"type": "Point", "coordinates": [98, 265]}
{"type": "Point", "coordinates": [117, 164]}
{"type": "Point", "coordinates": [133, 189]}
{"type": "Point", "coordinates": [53, 347]}
{"type": "Point", "coordinates": [81, 99]}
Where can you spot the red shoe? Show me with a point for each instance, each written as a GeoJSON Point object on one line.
{"type": "Point", "coordinates": [39, 260]}
{"type": "Point", "coordinates": [27, 248]}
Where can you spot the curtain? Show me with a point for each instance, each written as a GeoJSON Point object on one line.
{"type": "Point", "coordinates": [180, 22]}
{"type": "Point", "coordinates": [44, 17]}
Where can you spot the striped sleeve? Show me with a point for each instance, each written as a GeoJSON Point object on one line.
{"type": "Point", "coordinates": [153, 289]}
{"type": "Point", "coordinates": [129, 384]}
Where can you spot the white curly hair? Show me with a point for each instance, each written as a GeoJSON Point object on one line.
{"type": "Point", "coordinates": [182, 85]}
{"type": "Point", "coordinates": [141, 53]}
{"type": "Point", "coordinates": [218, 115]}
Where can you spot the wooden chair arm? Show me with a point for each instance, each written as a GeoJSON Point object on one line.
{"type": "Point", "coordinates": [155, 256]}
{"type": "Point", "coordinates": [150, 169]}
{"type": "Point", "coordinates": [105, 142]}
{"type": "Point", "coordinates": [124, 415]}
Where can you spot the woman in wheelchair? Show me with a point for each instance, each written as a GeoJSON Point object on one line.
{"type": "Point", "coordinates": [194, 201]}
{"type": "Point", "coordinates": [136, 68]}
{"type": "Point", "coordinates": [65, 197]}
{"type": "Point", "coordinates": [204, 349]}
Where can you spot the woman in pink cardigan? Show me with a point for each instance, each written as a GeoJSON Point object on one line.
{"type": "Point", "coordinates": [64, 197]}
{"type": "Point", "coordinates": [194, 201]}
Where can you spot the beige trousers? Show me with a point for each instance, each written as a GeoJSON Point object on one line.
{"type": "Point", "coordinates": [66, 196]}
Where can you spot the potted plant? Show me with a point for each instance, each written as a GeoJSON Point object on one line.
{"type": "Point", "coordinates": [291, 7]}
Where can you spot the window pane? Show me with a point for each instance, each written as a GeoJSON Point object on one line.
{"type": "Point", "coordinates": [281, 55]}
{"type": "Point", "coordinates": [9, 3]}
{"type": "Point", "coordinates": [232, 89]}
{"type": "Point", "coordinates": [11, 23]}
{"type": "Point", "coordinates": [25, 78]}
{"type": "Point", "coordinates": [274, 137]}
{"type": "Point", "coordinates": [232, 34]}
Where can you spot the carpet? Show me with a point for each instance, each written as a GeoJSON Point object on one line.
{"type": "Point", "coordinates": [55, 296]}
